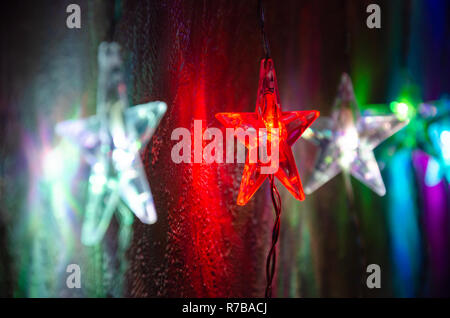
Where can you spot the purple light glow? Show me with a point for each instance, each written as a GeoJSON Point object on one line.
{"type": "Point", "coordinates": [436, 222]}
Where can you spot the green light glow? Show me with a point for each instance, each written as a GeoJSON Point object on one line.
{"type": "Point", "coordinates": [403, 109]}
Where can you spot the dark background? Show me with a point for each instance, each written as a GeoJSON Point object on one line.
{"type": "Point", "coordinates": [202, 57]}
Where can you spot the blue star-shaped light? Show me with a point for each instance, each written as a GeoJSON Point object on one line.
{"type": "Point", "coordinates": [347, 140]}
{"type": "Point", "coordinates": [439, 133]}
{"type": "Point", "coordinates": [110, 141]}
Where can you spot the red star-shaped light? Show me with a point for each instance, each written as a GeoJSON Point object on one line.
{"type": "Point", "coordinates": [268, 115]}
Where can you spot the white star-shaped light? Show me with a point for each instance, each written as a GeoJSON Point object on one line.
{"type": "Point", "coordinates": [347, 140]}
{"type": "Point", "coordinates": [110, 142]}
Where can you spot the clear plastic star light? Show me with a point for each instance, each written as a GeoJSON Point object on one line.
{"type": "Point", "coordinates": [110, 142]}
{"type": "Point", "coordinates": [346, 141]}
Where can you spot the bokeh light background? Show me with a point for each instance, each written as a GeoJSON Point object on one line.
{"type": "Point", "coordinates": [201, 58]}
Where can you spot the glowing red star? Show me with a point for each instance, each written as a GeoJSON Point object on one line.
{"type": "Point", "coordinates": [268, 115]}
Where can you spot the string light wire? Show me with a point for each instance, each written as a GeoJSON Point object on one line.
{"type": "Point", "coordinates": [272, 256]}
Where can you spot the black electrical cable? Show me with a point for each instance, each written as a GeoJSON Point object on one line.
{"type": "Point", "coordinates": [272, 256]}
{"type": "Point", "coordinates": [355, 221]}
{"type": "Point", "coordinates": [116, 8]}
{"type": "Point", "coordinates": [276, 199]}
{"type": "Point", "coordinates": [348, 38]}
{"type": "Point", "coordinates": [265, 42]}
